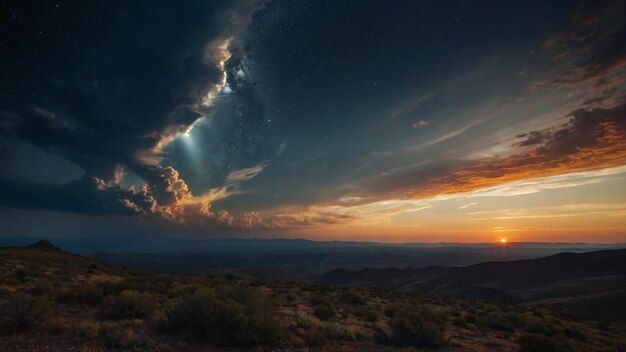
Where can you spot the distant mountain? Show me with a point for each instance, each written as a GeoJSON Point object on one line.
{"type": "Point", "coordinates": [44, 246]}
{"type": "Point", "coordinates": [566, 274]}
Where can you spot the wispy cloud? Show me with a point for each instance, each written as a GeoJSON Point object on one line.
{"type": "Point", "coordinates": [420, 123]}
{"type": "Point", "coordinates": [591, 140]}
{"type": "Point", "coordinates": [467, 205]}
{"type": "Point", "coordinates": [245, 174]}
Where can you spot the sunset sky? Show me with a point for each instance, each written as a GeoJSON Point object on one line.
{"type": "Point", "coordinates": [399, 121]}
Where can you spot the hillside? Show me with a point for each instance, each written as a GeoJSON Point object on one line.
{"type": "Point", "coordinates": [566, 275]}
{"type": "Point", "coordinates": [51, 300]}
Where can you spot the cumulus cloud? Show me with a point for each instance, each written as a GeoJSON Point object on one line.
{"type": "Point", "coordinates": [143, 81]}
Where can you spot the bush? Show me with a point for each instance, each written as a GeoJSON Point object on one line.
{"type": "Point", "coordinates": [229, 314]}
{"type": "Point", "coordinates": [471, 319]}
{"type": "Point", "coordinates": [336, 331]}
{"type": "Point", "coordinates": [125, 334]}
{"type": "Point", "coordinates": [539, 343]}
{"type": "Point", "coordinates": [496, 322]}
{"type": "Point", "coordinates": [540, 328]}
{"type": "Point", "coordinates": [89, 292]}
{"type": "Point", "coordinates": [460, 322]}
{"type": "Point", "coordinates": [417, 327]}
{"type": "Point", "coordinates": [23, 312]}
{"type": "Point", "coordinates": [325, 311]}
{"type": "Point", "coordinates": [291, 296]}
{"type": "Point", "coordinates": [575, 334]}
{"type": "Point", "coordinates": [316, 298]}
{"type": "Point", "coordinates": [352, 298]}
{"type": "Point", "coordinates": [370, 314]}
{"type": "Point", "coordinates": [129, 304]}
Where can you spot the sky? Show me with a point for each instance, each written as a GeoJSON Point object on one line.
{"type": "Point", "coordinates": [391, 121]}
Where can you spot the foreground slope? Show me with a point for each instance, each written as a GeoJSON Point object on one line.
{"type": "Point", "coordinates": [55, 301]}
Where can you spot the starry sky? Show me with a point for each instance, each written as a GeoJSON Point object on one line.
{"type": "Point", "coordinates": [399, 121]}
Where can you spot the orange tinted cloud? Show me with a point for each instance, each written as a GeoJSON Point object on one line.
{"type": "Point", "coordinates": [591, 140]}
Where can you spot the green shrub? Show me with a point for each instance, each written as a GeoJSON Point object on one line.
{"type": "Point", "coordinates": [539, 343]}
{"type": "Point", "coordinates": [228, 314]}
{"type": "Point", "coordinates": [129, 304]}
{"type": "Point", "coordinates": [417, 327]}
{"type": "Point", "coordinates": [325, 311]}
{"type": "Point", "coordinates": [23, 312]}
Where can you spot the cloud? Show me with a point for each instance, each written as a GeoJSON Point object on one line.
{"type": "Point", "coordinates": [408, 106]}
{"type": "Point", "coordinates": [590, 47]}
{"type": "Point", "coordinates": [353, 212]}
{"type": "Point", "coordinates": [467, 205]}
{"type": "Point", "coordinates": [154, 79]}
{"type": "Point", "coordinates": [420, 123]}
{"type": "Point", "coordinates": [566, 210]}
{"type": "Point", "coordinates": [591, 140]}
{"type": "Point", "coordinates": [245, 174]}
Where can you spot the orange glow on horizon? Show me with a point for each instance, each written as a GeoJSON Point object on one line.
{"type": "Point", "coordinates": [503, 240]}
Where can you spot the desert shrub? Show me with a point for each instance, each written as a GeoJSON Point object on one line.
{"type": "Point", "coordinates": [459, 321]}
{"type": "Point", "coordinates": [513, 319]}
{"type": "Point", "coordinates": [370, 314]}
{"type": "Point", "coordinates": [539, 343]}
{"type": "Point", "coordinates": [87, 329]}
{"type": "Point", "coordinates": [417, 327]}
{"type": "Point", "coordinates": [471, 319]}
{"type": "Point", "coordinates": [325, 311]}
{"type": "Point", "coordinates": [129, 304]}
{"type": "Point", "coordinates": [230, 314]}
{"type": "Point", "coordinates": [336, 331]}
{"type": "Point", "coordinates": [124, 334]}
{"type": "Point", "coordinates": [23, 312]}
{"type": "Point", "coordinates": [316, 298]}
{"type": "Point", "coordinates": [303, 320]}
{"type": "Point", "coordinates": [352, 297]}
{"type": "Point", "coordinates": [389, 311]}
{"type": "Point", "coordinates": [496, 322]}
{"type": "Point", "coordinates": [291, 296]}
{"type": "Point", "coordinates": [88, 292]}
{"type": "Point", "coordinates": [603, 325]}
{"type": "Point", "coordinates": [575, 334]}
{"type": "Point", "coordinates": [178, 289]}
{"type": "Point", "coordinates": [540, 328]}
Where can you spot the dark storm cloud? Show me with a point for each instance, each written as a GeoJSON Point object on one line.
{"type": "Point", "coordinates": [108, 84]}
{"type": "Point", "coordinates": [592, 45]}
{"type": "Point", "coordinates": [88, 195]}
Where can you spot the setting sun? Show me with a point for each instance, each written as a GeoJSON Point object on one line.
{"type": "Point", "coordinates": [503, 240]}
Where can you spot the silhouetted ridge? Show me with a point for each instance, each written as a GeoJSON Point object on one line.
{"type": "Point", "coordinates": [504, 282]}
{"type": "Point", "coordinates": [44, 246]}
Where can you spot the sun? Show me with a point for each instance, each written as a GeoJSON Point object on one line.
{"type": "Point", "coordinates": [503, 240]}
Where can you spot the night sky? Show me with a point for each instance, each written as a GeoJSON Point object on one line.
{"type": "Point", "coordinates": [410, 121]}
